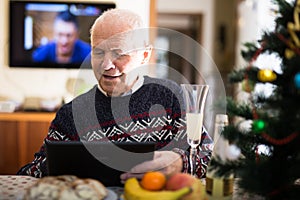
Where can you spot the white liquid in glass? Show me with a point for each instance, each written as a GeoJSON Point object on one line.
{"type": "Point", "coordinates": [194, 128]}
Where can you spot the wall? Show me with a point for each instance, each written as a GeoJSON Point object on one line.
{"type": "Point", "coordinates": [204, 7]}
{"type": "Point", "coordinates": [254, 17]}
{"type": "Point", "coordinates": [17, 84]}
{"type": "Point", "coordinates": [225, 29]}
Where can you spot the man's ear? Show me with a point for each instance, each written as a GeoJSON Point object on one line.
{"type": "Point", "coordinates": [147, 54]}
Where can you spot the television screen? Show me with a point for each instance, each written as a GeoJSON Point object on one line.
{"type": "Point", "coordinates": [51, 34]}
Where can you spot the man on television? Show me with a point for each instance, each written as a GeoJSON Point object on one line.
{"type": "Point", "coordinates": [66, 46]}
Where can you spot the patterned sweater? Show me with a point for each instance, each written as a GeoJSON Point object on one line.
{"type": "Point", "coordinates": [153, 113]}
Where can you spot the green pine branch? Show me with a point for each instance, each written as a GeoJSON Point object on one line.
{"type": "Point", "coordinates": [246, 140]}
{"type": "Point", "coordinates": [250, 51]}
{"type": "Point", "coordinates": [238, 109]}
{"type": "Point", "coordinates": [285, 10]}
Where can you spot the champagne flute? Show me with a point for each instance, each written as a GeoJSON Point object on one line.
{"type": "Point", "coordinates": [195, 97]}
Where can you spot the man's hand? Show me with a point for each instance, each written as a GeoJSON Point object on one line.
{"type": "Point", "coordinates": [167, 162]}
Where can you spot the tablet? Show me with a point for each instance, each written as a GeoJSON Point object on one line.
{"type": "Point", "coordinates": [104, 161]}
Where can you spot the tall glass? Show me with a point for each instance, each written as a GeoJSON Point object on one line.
{"type": "Point", "coordinates": [195, 97]}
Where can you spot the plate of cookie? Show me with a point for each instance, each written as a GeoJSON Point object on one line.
{"type": "Point", "coordinates": [69, 187]}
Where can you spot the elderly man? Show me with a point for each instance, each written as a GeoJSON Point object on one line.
{"type": "Point", "coordinates": [126, 106]}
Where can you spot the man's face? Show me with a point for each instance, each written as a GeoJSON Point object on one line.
{"type": "Point", "coordinates": [65, 35]}
{"type": "Point", "coordinates": [112, 60]}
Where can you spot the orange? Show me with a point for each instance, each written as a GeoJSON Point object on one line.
{"type": "Point", "coordinates": [153, 181]}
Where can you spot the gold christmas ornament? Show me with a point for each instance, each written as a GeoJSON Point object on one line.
{"type": "Point", "coordinates": [266, 75]}
{"type": "Point", "coordinates": [294, 27]}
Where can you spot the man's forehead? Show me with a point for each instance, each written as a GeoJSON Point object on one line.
{"type": "Point", "coordinates": [63, 26]}
{"type": "Point", "coordinates": [115, 43]}
{"type": "Point", "coordinates": [128, 40]}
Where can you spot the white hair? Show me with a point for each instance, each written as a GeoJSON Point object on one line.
{"type": "Point", "coordinates": [118, 21]}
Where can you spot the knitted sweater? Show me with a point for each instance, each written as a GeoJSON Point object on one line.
{"type": "Point", "coordinates": [153, 113]}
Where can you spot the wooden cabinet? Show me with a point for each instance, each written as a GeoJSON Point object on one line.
{"type": "Point", "coordinates": [21, 135]}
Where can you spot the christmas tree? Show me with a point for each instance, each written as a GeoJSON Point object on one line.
{"type": "Point", "coordinates": [274, 119]}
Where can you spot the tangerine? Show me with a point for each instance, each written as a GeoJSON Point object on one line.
{"type": "Point", "coordinates": [153, 181]}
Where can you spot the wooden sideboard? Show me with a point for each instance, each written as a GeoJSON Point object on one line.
{"type": "Point", "coordinates": [21, 135]}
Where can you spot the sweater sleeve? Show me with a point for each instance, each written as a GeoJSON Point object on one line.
{"type": "Point", "coordinates": [37, 168]}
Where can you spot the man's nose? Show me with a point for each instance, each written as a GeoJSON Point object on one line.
{"type": "Point", "coordinates": [64, 40]}
{"type": "Point", "coordinates": [108, 62]}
